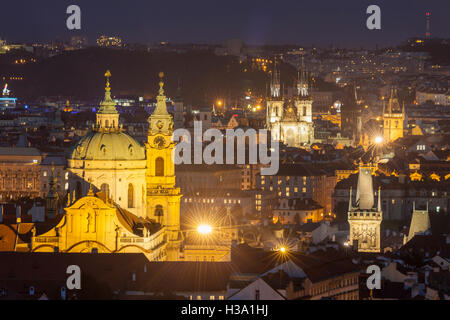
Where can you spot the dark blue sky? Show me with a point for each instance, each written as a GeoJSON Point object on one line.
{"type": "Point", "coordinates": [319, 22]}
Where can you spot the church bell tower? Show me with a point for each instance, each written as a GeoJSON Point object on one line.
{"type": "Point", "coordinates": [163, 197]}
{"type": "Point", "coordinates": [393, 118]}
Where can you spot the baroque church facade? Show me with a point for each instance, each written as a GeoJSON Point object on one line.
{"type": "Point", "coordinates": [122, 196]}
{"type": "Point", "coordinates": [290, 120]}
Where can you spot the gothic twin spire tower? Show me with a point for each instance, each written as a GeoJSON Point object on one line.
{"type": "Point", "coordinates": [290, 121]}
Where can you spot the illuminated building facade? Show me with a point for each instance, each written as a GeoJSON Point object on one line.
{"type": "Point", "coordinates": [137, 208]}
{"type": "Point", "coordinates": [393, 118]}
{"type": "Point", "coordinates": [95, 224]}
{"type": "Point", "coordinates": [365, 219]}
{"type": "Point", "coordinates": [6, 102]}
{"type": "Point", "coordinates": [162, 196]}
{"type": "Point", "coordinates": [290, 121]}
{"type": "Point", "coordinates": [111, 160]}
{"type": "Point", "coordinates": [105, 41]}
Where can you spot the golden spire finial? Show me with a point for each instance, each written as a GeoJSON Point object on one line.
{"type": "Point", "coordinates": [107, 75]}
{"type": "Point", "coordinates": [91, 191]}
{"type": "Point", "coordinates": [161, 83]}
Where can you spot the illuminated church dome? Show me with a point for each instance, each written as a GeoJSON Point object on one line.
{"type": "Point", "coordinates": [109, 159]}
{"type": "Point", "coordinates": [108, 146]}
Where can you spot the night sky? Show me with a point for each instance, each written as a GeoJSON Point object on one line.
{"type": "Point", "coordinates": [318, 22]}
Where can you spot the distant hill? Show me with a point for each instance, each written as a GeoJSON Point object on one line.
{"type": "Point", "coordinates": [203, 75]}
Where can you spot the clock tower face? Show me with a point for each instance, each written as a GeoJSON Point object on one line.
{"type": "Point", "coordinates": [159, 142]}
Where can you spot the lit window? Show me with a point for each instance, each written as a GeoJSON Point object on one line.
{"type": "Point", "coordinates": [45, 173]}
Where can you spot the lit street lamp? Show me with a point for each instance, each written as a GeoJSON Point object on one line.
{"type": "Point", "coordinates": [204, 229]}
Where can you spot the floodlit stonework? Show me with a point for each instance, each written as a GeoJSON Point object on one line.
{"type": "Point", "coordinates": [365, 219]}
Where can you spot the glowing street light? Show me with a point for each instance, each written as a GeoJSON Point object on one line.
{"type": "Point", "coordinates": [283, 249]}
{"type": "Point", "coordinates": [379, 140]}
{"type": "Point", "coordinates": [204, 229]}
{"type": "Point", "coordinates": [219, 103]}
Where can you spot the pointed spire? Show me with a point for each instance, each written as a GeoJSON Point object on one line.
{"type": "Point", "coordinates": [379, 199]}
{"type": "Point", "coordinates": [160, 121]}
{"type": "Point", "coordinates": [161, 107]}
{"type": "Point", "coordinates": [107, 105]}
{"type": "Point", "coordinates": [350, 207]}
{"type": "Point", "coordinates": [364, 192]}
{"type": "Point", "coordinates": [91, 191]}
{"type": "Point", "coordinates": [275, 82]}
{"type": "Point", "coordinates": [107, 115]}
{"type": "Point", "coordinates": [302, 80]}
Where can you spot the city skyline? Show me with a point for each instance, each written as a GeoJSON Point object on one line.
{"type": "Point", "coordinates": [321, 24]}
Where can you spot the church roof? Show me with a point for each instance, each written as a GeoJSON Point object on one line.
{"type": "Point", "coordinates": [108, 146]}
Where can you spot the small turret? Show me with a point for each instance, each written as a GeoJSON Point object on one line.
{"type": "Point", "coordinates": [160, 121]}
{"type": "Point", "coordinates": [107, 115]}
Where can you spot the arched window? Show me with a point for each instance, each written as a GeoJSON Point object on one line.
{"type": "Point", "coordinates": [159, 167]}
{"type": "Point", "coordinates": [130, 196]}
{"type": "Point", "coordinates": [106, 123]}
{"type": "Point", "coordinates": [159, 213]}
{"type": "Point", "coordinates": [105, 189]}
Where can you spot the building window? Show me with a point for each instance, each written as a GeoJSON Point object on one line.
{"type": "Point", "coordinates": [159, 212]}
{"type": "Point", "coordinates": [130, 196]}
{"type": "Point", "coordinates": [420, 147]}
{"type": "Point", "coordinates": [159, 167]}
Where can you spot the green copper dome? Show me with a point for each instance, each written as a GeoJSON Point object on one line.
{"type": "Point", "coordinates": [108, 146]}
